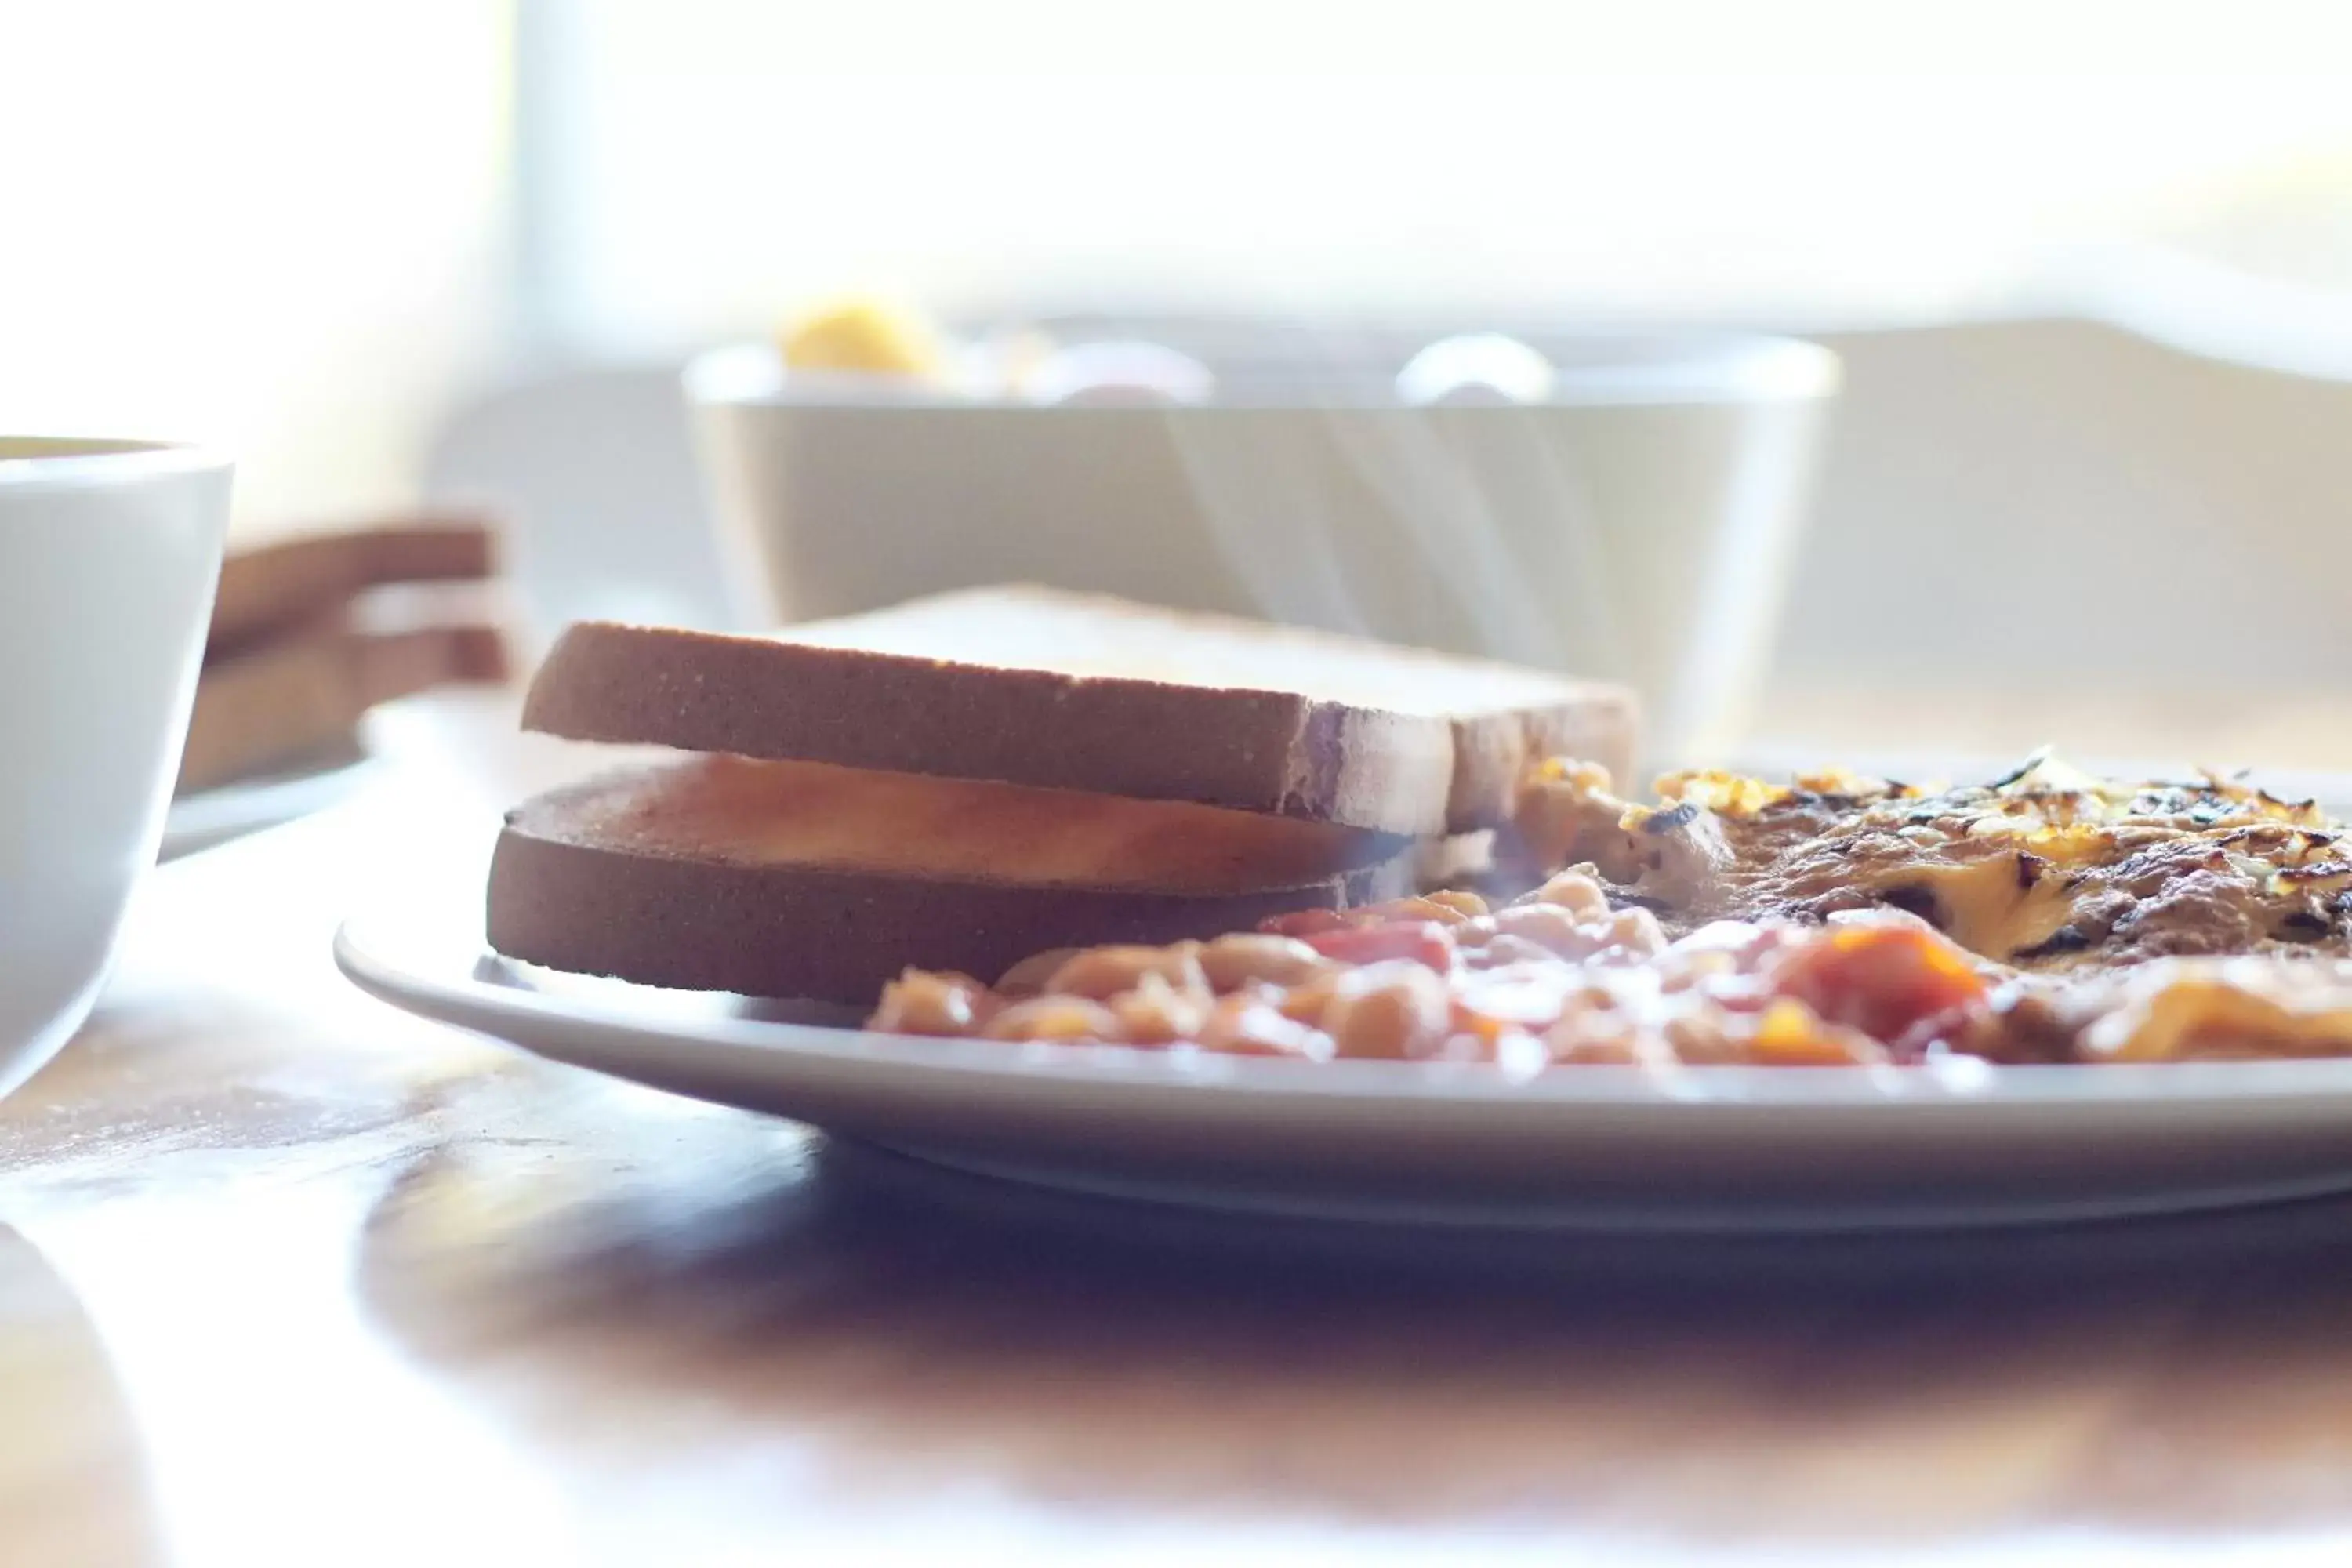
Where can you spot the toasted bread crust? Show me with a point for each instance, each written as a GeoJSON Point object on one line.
{"type": "Point", "coordinates": [1264, 751]}
{"type": "Point", "coordinates": [825, 935]}
{"type": "Point", "coordinates": [268, 589]}
{"type": "Point", "coordinates": [287, 702]}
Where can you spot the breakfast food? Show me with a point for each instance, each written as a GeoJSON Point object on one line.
{"type": "Point", "coordinates": [2045, 917]}
{"type": "Point", "coordinates": [2046, 868]}
{"type": "Point", "coordinates": [1024, 685]}
{"type": "Point", "coordinates": [298, 700]}
{"type": "Point", "coordinates": [303, 642]}
{"type": "Point", "coordinates": [962, 780]}
{"type": "Point", "coordinates": [288, 584]}
{"type": "Point", "coordinates": [865, 337]}
{"type": "Point", "coordinates": [805, 879]}
{"type": "Point", "coordinates": [1028, 817]}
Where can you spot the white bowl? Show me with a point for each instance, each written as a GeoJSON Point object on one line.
{"type": "Point", "coordinates": [109, 554]}
{"type": "Point", "coordinates": [1636, 522]}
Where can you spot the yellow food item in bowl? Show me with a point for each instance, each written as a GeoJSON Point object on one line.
{"type": "Point", "coordinates": [865, 336]}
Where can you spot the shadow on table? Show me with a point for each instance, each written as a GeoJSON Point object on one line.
{"type": "Point", "coordinates": [917, 1328]}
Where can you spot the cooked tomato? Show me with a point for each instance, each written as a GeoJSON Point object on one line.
{"type": "Point", "coordinates": [1306, 923]}
{"type": "Point", "coordinates": [1886, 980]}
{"type": "Point", "coordinates": [1426, 943]}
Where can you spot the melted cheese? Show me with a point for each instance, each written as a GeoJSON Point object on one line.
{"type": "Point", "coordinates": [2236, 1007]}
{"type": "Point", "coordinates": [1987, 906]}
{"type": "Point", "coordinates": [1725, 793]}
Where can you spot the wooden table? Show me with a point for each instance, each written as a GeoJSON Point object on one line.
{"type": "Point", "coordinates": [290, 1279]}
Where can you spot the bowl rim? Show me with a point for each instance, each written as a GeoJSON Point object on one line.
{"type": "Point", "coordinates": [1658, 368]}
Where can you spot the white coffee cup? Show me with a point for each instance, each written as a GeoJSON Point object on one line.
{"type": "Point", "coordinates": [1633, 517]}
{"type": "Point", "coordinates": [109, 552]}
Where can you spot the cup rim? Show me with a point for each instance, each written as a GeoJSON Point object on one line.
{"type": "Point", "coordinates": [1651, 368]}
{"type": "Point", "coordinates": [34, 461]}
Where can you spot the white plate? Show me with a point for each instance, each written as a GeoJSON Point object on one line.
{"type": "Point", "coordinates": [1718, 1149]}
{"type": "Point", "coordinates": [231, 811]}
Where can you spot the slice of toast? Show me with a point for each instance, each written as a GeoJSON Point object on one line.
{"type": "Point", "coordinates": [1027, 685]}
{"type": "Point", "coordinates": [805, 879]}
{"type": "Point", "coordinates": [301, 697]}
{"type": "Point", "coordinates": [277, 587]}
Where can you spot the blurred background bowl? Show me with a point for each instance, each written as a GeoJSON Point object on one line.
{"type": "Point", "coordinates": [1634, 518]}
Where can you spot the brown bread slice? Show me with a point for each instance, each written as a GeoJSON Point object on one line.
{"type": "Point", "coordinates": [273, 588]}
{"type": "Point", "coordinates": [295, 701]}
{"type": "Point", "coordinates": [804, 879]}
{"type": "Point", "coordinates": [1032, 685]}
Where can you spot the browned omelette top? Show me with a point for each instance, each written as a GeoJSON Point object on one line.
{"type": "Point", "coordinates": [2045, 869]}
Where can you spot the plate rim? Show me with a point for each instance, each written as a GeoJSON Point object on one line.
{"type": "Point", "coordinates": [469, 1000]}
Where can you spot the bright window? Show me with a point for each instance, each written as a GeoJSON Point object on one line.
{"type": "Point", "coordinates": [719, 159]}
{"type": "Point", "coordinates": [271, 224]}
{"type": "Point", "coordinates": [292, 227]}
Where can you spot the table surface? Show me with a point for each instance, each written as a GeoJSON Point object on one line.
{"type": "Point", "coordinates": [289, 1278]}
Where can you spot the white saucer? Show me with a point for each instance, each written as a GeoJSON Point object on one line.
{"type": "Point", "coordinates": [231, 811]}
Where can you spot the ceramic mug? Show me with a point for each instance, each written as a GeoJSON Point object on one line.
{"type": "Point", "coordinates": [109, 552]}
{"type": "Point", "coordinates": [1635, 521]}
